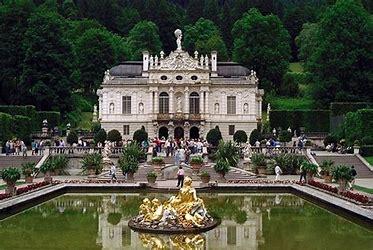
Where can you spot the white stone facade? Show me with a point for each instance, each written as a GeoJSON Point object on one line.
{"type": "Point", "coordinates": [179, 96]}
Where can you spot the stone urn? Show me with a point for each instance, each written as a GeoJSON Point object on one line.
{"type": "Point", "coordinates": [29, 179]}
{"type": "Point", "coordinates": [262, 170]}
{"type": "Point", "coordinates": [151, 179]}
{"type": "Point", "coordinates": [10, 188]}
{"type": "Point", "coordinates": [91, 173]}
{"type": "Point", "coordinates": [205, 178]}
{"type": "Point", "coordinates": [48, 177]}
{"type": "Point", "coordinates": [328, 178]}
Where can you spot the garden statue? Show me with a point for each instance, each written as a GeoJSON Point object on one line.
{"type": "Point", "coordinates": [179, 36]}
{"type": "Point", "coordinates": [180, 212]}
{"type": "Point", "coordinates": [106, 152]}
{"type": "Point", "coordinates": [178, 104]}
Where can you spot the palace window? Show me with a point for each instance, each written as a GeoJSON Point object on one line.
{"type": "Point", "coordinates": [231, 105]}
{"type": "Point", "coordinates": [126, 100]}
{"type": "Point", "coordinates": [126, 129]}
{"type": "Point", "coordinates": [231, 129]}
{"type": "Point", "coordinates": [163, 103]}
{"type": "Point", "coordinates": [194, 103]}
{"type": "Point", "coordinates": [179, 78]}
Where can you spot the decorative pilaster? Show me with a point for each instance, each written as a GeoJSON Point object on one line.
{"type": "Point", "coordinates": [186, 100]}
{"type": "Point", "coordinates": [207, 102]}
{"type": "Point", "coordinates": [171, 93]}
{"type": "Point", "coordinates": [156, 104]}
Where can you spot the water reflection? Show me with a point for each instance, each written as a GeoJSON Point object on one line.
{"type": "Point", "coordinates": [159, 241]}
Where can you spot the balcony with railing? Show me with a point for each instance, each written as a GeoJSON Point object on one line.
{"type": "Point", "coordinates": [179, 117]}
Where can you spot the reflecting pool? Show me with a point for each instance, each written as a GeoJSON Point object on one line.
{"type": "Point", "coordinates": [249, 221]}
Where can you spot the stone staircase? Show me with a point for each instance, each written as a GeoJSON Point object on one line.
{"type": "Point", "coordinates": [350, 160]}
{"type": "Point", "coordinates": [17, 161]}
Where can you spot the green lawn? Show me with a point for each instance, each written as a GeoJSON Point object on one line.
{"type": "Point", "coordinates": [296, 67]}
{"type": "Point", "coordinates": [86, 121]}
{"type": "Point", "coordinates": [363, 189]}
{"type": "Point", "coordinates": [369, 159]}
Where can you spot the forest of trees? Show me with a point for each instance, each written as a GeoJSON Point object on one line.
{"type": "Point", "coordinates": [52, 51]}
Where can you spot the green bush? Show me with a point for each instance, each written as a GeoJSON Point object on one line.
{"type": "Point", "coordinates": [342, 172]}
{"type": "Point", "coordinates": [309, 167]}
{"type": "Point", "coordinates": [367, 140]}
{"type": "Point", "coordinates": [158, 160]}
{"type": "Point", "coordinates": [255, 136]}
{"type": "Point", "coordinates": [228, 151]}
{"type": "Point", "coordinates": [357, 125]}
{"type": "Point", "coordinates": [114, 136]}
{"type": "Point", "coordinates": [92, 161]}
{"type": "Point", "coordinates": [240, 136]}
{"type": "Point", "coordinates": [130, 158]}
{"type": "Point", "coordinates": [326, 167]}
{"type": "Point", "coordinates": [285, 136]}
{"type": "Point", "coordinates": [72, 138]}
{"type": "Point", "coordinates": [258, 160]}
{"type": "Point", "coordinates": [214, 136]}
{"type": "Point", "coordinates": [22, 127]}
{"type": "Point", "coordinates": [81, 103]}
{"type": "Point", "coordinates": [196, 160]}
{"type": "Point", "coordinates": [28, 168]}
{"type": "Point", "coordinates": [140, 135]}
{"type": "Point", "coordinates": [96, 126]}
{"type": "Point", "coordinates": [11, 175]}
{"type": "Point", "coordinates": [311, 120]}
{"type": "Point", "coordinates": [28, 110]}
{"type": "Point", "coordinates": [222, 166]}
{"type": "Point", "coordinates": [100, 136]}
{"type": "Point", "coordinates": [289, 163]}
{"type": "Point", "coordinates": [6, 124]}
{"type": "Point", "coordinates": [342, 108]}
{"type": "Point", "coordinates": [366, 150]}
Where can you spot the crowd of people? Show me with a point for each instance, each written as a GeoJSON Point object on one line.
{"type": "Point", "coordinates": [15, 147]}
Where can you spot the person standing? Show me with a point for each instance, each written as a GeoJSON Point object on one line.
{"type": "Point", "coordinates": [180, 177]}
{"type": "Point", "coordinates": [303, 174]}
{"type": "Point", "coordinates": [113, 171]}
{"type": "Point", "coordinates": [278, 172]}
{"type": "Point", "coordinates": [353, 176]}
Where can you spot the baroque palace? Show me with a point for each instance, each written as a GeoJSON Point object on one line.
{"type": "Point", "coordinates": [179, 96]}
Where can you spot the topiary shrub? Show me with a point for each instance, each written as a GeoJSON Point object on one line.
{"type": "Point", "coordinates": [240, 136]}
{"type": "Point", "coordinates": [114, 136]}
{"type": "Point", "coordinates": [285, 136]}
{"type": "Point", "coordinates": [72, 138]}
{"type": "Point", "coordinates": [140, 135]}
{"type": "Point", "coordinates": [214, 136]}
{"type": "Point", "coordinates": [255, 136]}
{"type": "Point", "coordinates": [100, 136]}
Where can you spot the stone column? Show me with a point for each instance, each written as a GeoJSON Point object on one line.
{"type": "Point", "coordinates": [207, 102]}
{"type": "Point", "coordinates": [186, 100]}
{"type": "Point", "coordinates": [201, 102]}
{"type": "Point", "coordinates": [156, 100]}
{"type": "Point", "coordinates": [171, 104]}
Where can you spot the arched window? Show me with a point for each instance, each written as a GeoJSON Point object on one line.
{"type": "Point", "coordinates": [194, 103]}
{"type": "Point", "coordinates": [163, 103]}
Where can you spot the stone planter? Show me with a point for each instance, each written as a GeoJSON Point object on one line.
{"type": "Point", "coordinates": [92, 173]}
{"type": "Point", "coordinates": [327, 178]}
{"type": "Point", "coordinates": [130, 177]}
{"type": "Point", "coordinates": [48, 177]}
{"type": "Point", "coordinates": [157, 167]}
{"type": "Point", "coordinates": [196, 167]}
{"type": "Point", "coordinates": [262, 170]}
{"type": "Point", "coordinates": [342, 185]}
{"type": "Point", "coordinates": [206, 179]}
{"type": "Point", "coordinates": [29, 179]}
{"type": "Point", "coordinates": [10, 188]}
{"type": "Point", "coordinates": [151, 179]}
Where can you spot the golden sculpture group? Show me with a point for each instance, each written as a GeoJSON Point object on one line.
{"type": "Point", "coordinates": [160, 242]}
{"type": "Point", "coordinates": [185, 210]}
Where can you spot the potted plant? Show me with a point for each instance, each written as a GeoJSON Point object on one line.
{"type": "Point", "coordinates": [46, 169]}
{"type": "Point", "coordinates": [92, 164]}
{"type": "Point", "coordinates": [310, 168]}
{"type": "Point", "coordinates": [10, 176]}
{"type": "Point", "coordinates": [157, 163]}
{"type": "Point", "coordinates": [28, 169]}
{"type": "Point", "coordinates": [196, 163]}
{"type": "Point", "coordinates": [205, 177]}
{"type": "Point", "coordinates": [326, 169]}
{"type": "Point", "coordinates": [151, 176]}
{"type": "Point", "coordinates": [129, 160]}
{"type": "Point", "coordinates": [222, 167]}
{"type": "Point", "coordinates": [342, 174]}
{"type": "Point", "coordinates": [260, 163]}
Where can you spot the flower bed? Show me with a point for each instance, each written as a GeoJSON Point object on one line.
{"type": "Point", "coordinates": [261, 182]}
{"type": "Point", "coordinates": [30, 187]}
{"type": "Point", "coordinates": [347, 194]}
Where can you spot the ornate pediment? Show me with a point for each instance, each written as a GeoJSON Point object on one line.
{"type": "Point", "coordinates": [179, 60]}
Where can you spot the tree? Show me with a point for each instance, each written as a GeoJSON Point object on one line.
{"type": "Point", "coordinates": [341, 64]}
{"type": "Point", "coordinates": [194, 10]}
{"type": "Point", "coordinates": [144, 36]}
{"type": "Point", "coordinates": [69, 9]}
{"type": "Point", "coordinates": [13, 25]}
{"type": "Point", "coordinates": [259, 42]}
{"type": "Point", "coordinates": [72, 138]}
{"type": "Point", "coordinates": [47, 68]}
{"type": "Point", "coordinates": [211, 10]}
{"type": "Point", "coordinates": [114, 136]}
{"type": "Point", "coordinates": [95, 53]}
{"type": "Point", "coordinates": [240, 136]}
{"type": "Point", "coordinates": [214, 136]}
{"type": "Point", "coordinates": [128, 18]}
{"type": "Point", "coordinates": [204, 36]}
{"type": "Point", "coordinates": [255, 136]}
{"type": "Point", "coordinates": [140, 135]}
{"type": "Point", "coordinates": [226, 23]}
{"type": "Point", "coordinates": [306, 40]}
{"type": "Point", "coordinates": [100, 136]}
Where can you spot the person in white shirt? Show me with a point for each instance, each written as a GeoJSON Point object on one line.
{"type": "Point", "coordinates": [113, 171]}
{"type": "Point", "coordinates": [278, 172]}
{"type": "Point", "coordinates": [180, 177]}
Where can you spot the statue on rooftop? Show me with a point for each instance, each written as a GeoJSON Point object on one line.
{"type": "Point", "coordinates": [179, 36]}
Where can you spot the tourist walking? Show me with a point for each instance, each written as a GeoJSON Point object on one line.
{"type": "Point", "coordinates": [180, 177]}
{"type": "Point", "coordinates": [353, 176]}
{"type": "Point", "coordinates": [278, 172]}
{"type": "Point", "coordinates": [113, 171]}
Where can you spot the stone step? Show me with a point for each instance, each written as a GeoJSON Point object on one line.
{"type": "Point", "coordinates": [17, 160]}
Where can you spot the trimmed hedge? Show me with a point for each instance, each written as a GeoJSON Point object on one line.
{"type": "Point", "coordinates": [357, 125]}
{"type": "Point", "coordinates": [6, 122]}
{"type": "Point", "coordinates": [311, 120]}
{"type": "Point", "coordinates": [342, 108]}
{"type": "Point", "coordinates": [53, 118]}
{"type": "Point", "coordinates": [28, 110]}
{"type": "Point", "coordinates": [366, 150]}
{"type": "Point", "coordinates": [22, 127]}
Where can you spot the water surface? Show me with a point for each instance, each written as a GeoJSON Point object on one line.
{"type": "Point", "coordinates": [249, 221]}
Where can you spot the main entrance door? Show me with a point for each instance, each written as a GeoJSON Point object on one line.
{"type": "Point", "coordinates": [179, 133]}
{"type": "Point", "coordinates": [194, 133]}
{"type": "Point", "coordinates": [163, 132]}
